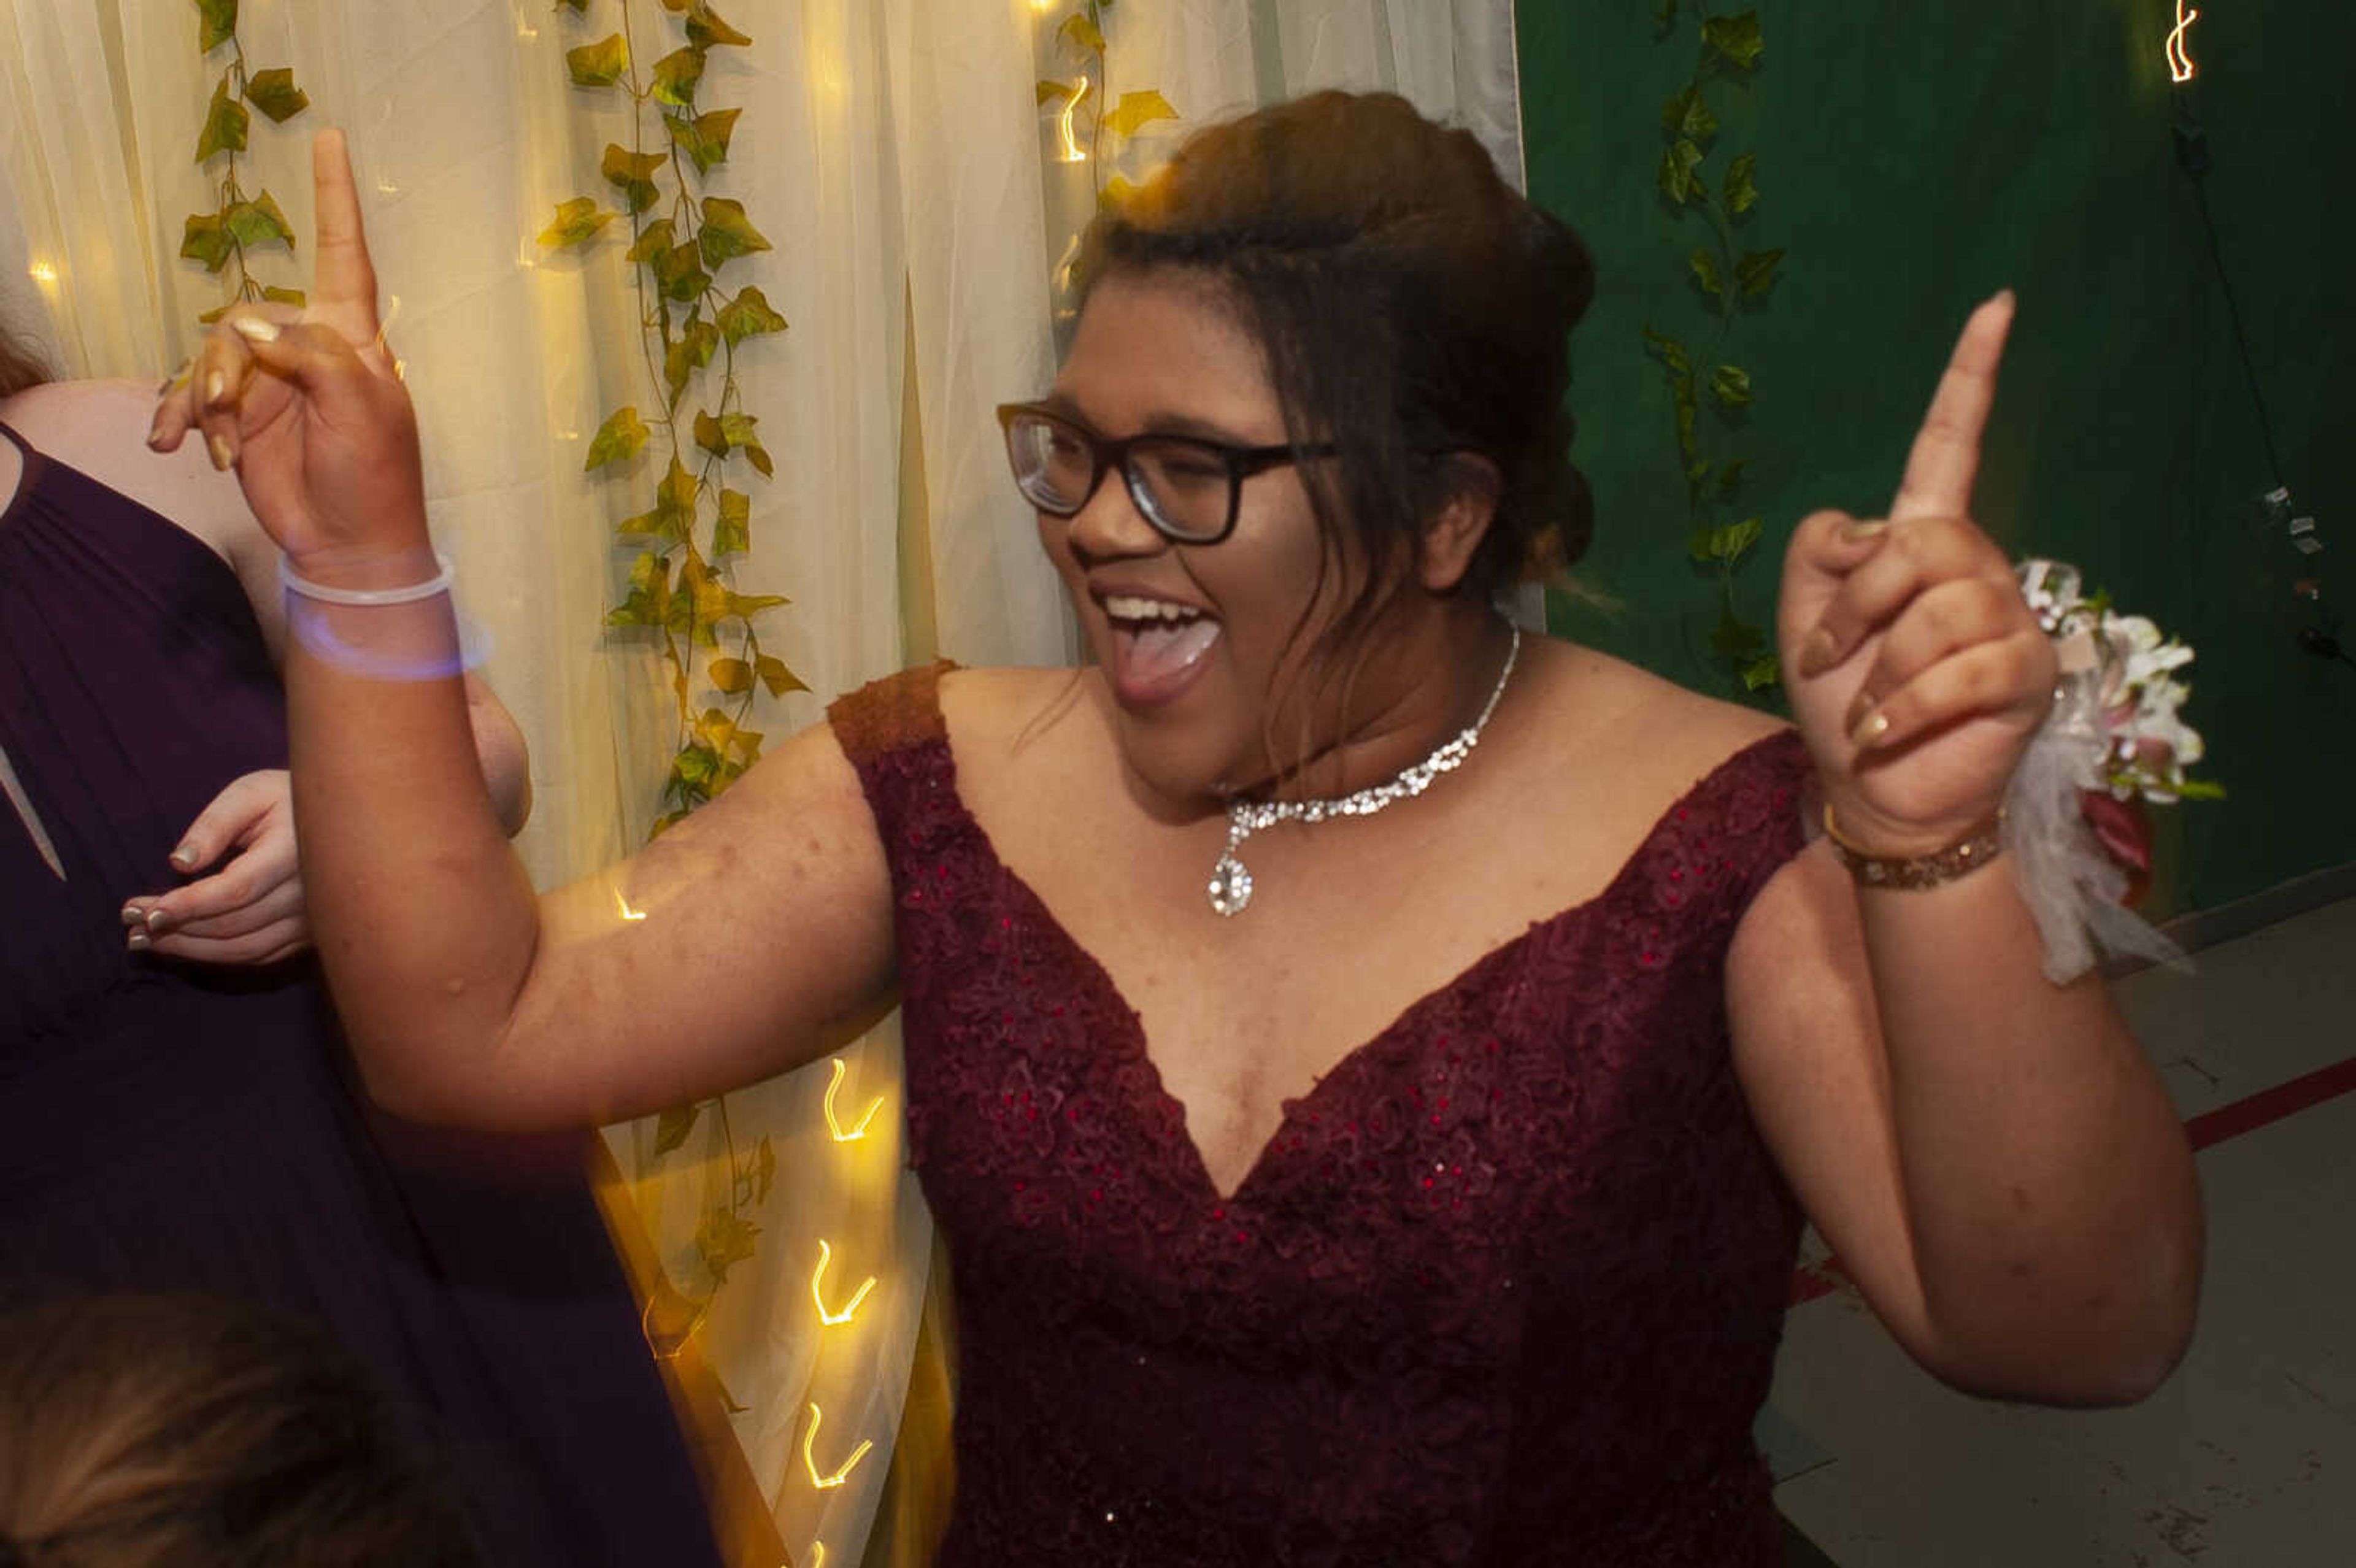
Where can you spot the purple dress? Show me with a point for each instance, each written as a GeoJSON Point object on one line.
{"type": "Point", "coordinates": [1503, 1290]}
{"type": "Point", "coordinates": [163, 1128]}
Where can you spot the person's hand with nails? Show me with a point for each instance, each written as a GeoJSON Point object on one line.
{"type": "Point", "coordinates": [1916, 671]}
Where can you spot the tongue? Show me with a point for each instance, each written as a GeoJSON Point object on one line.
{"type": "Point", "coordinates": [1155, 652]}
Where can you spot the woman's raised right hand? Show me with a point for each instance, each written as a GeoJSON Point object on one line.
{"type": "Point", "coordinates": [308, 407]}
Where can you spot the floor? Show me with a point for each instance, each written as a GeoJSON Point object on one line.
{"type": "Point", "coordinates": [2247, 1456]}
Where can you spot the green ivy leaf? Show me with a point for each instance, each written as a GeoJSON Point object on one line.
{"type": "Point", "coordinates": [1697, 472]}
{"type": "Point", "coordinates": [1729, 478]}
{"type": "Point", "coordinates": [218, 24]}
{"type": "Point", "coordinates": [704, 27]}
{"type": "Point", "coordinates": [634, 174]}
{"type": "Point", "coordinates": [724, 1240]}
{"type": "Point", "coordinates": [1705, 271]}
{"type": "Point", "coordinates": [676, 496]}
{"type": "Point", "coordinates": [1115, 193]}
{"type": "Point", "coordinates": [748, 315]}
{"type": "Point", "coordinates": [738, 428]}
{"type": "Point", "coordinates": [704, 139]}
{"type": "Point", "coordinates": [673, 1125]}
{"type": "Point", "coordinates": [1053, 91]}
{"type": "Point", "coordinates": [1701, 545]}
{"type": "Point", "coordinates": [275, 94]}
{"type": "Point", "coordinates": [577, 223]}
{"type": "Point", "coordinates": [776, 677]}
{"type": "Point", "coordinates": [203, 239]}
{"type": "Point", "coordinates": [1687, 115]}
{"type": "Point", "coordinates": [676, 75]}
{"type": "Point", "coordinates": [1738, 38]}
{"type": "Point", "coordinates": [731, 531]}
{"type": "Point", "coordinates": [1742, 189]}
{"type": "Point", "coordinates": [1735, 640]}
{"type": "Point", "coordinates": [708, 434]}
{"type": "Point", "coordinates": [618, 440]}
{"type": "Point", "coordinates": [277, 295]}
{"type": "Point", "coordinates": [1136, 111]}
{"type": "Point", "coordinates": [209, 317]}
{"type": "Point", "coordinates": [1738, 539]}
{"type": "Point", "coordinates": [654, 240]}
{"type": "Point", "coordinates": [600, 64]}
{"type": "Point", "coordinates": [1671, 352]}
{"type": "Point", "coordinates": [1082, 34]}
{"type": "Point", "coordinates": [1678, 181]}
{"type": "Point", "coordinates": [679, 274]}
{"type": "Point", "coordinates": [1762, 672]}
{"type": "Point", "coordinates": [1730, 385]}
{"type": "Point", "coordinates": [226, 122]}
{"type": "Point", "coordinates": [258, 222]}
{"type": "Point", "coordinates": [730, 676]}
{"type": "Point", "coordinates": [747, 605]}
{"type": "Point", "coordinates": [727, 233]}
{"type": "Point", "coordinates": [1755, 273]}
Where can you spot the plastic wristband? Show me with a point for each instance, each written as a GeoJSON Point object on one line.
{"type": "Point", "coordinates": [311, 626]}
{"type": "Point", "coordinates": [408, 594]}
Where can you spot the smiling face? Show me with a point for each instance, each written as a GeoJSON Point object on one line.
{"type": "Point", "coordinates": [1193, 638]}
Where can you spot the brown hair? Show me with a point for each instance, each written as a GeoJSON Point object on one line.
{"type": "Point", "coordinates": [19, 367]}
{"type": "Point", "coordinates": [1413, 308]}
{"type": "Point", "coordinates": [182, 1432]}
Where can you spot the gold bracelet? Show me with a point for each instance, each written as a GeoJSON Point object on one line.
{"type": "Point", "coordinates": [1965, 855]}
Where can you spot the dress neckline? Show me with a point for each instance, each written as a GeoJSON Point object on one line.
{"type": "Point", "coordinates": [1132, 1038]}
{"type": "Point", "coordinates": [37, 467]}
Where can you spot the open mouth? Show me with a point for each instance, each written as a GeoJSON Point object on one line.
{"type": "Point", "coordinates": [1159, 646]}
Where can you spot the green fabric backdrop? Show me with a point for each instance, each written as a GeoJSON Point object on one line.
{"type": "Point", "coordinates": [1914, 158]}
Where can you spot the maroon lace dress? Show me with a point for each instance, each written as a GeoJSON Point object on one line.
{"type": "Point", "coordinates": [1504, 1287]}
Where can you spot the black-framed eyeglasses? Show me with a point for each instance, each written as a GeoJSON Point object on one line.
{"type": "Point", "coordinates": [1187, 487]}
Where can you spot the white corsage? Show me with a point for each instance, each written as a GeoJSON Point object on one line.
{"type": "Point", "coordinates": [2073, 812]}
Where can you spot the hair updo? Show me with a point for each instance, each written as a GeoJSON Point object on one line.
{"type": "Point", "coordinates": [1412, 306]}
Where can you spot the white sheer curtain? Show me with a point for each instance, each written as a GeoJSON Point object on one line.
{"type": "Point", "coordinates": [894, 152]}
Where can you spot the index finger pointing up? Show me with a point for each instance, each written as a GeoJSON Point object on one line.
{"type": "Point", "coordinates": [1946, 455]}
{"type": "Point", "coordinates": [343, 285]}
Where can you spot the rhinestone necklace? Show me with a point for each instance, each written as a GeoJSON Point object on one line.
{"type": "Point", "coordinates": [1230, 887]}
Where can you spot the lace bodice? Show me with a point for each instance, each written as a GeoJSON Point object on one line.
{"type": "Point", "coordinates": [1504, 1287]}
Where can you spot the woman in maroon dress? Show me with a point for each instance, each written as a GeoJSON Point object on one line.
{"type": "Point", "coordinates": [176, 1107]}
{"type": "Point", "coordinates": [1353, 1146]}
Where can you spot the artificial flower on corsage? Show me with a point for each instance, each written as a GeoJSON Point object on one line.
{"type": "Point", "coordinates": [2116, 738]}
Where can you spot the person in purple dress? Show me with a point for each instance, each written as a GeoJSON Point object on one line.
{"type": "Point", "coordinates": [1369, 1064]}
{"type": "Point", "coordinates": [176, 1110]}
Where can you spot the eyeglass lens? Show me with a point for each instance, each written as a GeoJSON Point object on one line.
{"type": "Point", "coordinates": [1183, 487]}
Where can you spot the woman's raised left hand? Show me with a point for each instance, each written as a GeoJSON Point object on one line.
{"type": "Point", "coordinates": [1915, 669]}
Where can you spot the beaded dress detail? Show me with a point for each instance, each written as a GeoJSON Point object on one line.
{"type": "Point", "coordinates": [1504, 1287]}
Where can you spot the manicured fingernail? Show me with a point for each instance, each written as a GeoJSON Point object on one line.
{"type": "Point", "coordinates": [216, 386]}
{"type": "Point", "coordinates": [184, 857]}
{"type": "Point", "coordinates": [219, 446]}
{"type": "Point", "coordinates": [1857, 710]}
{"type": "Point", "coordinates": [1853, 532]}
{"type": "Point", "coordinates": [155, 434]}
{"type": "Point", "coordinates": [136, 942]}
{"type": "Point", "coordinates": [133, 915]}
{"type": "Point", "coordinates": [253, 329]}
{"type": "Point", "coordinates": [158, 921]}
{"type": "Point", "coordinates": [1817, 653]}
{"type": "Point", "coordinates": [1868, 732]}
{"type": "Point", "coordinates": [2004, 296]}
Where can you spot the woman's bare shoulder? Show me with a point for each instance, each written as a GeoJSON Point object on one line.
{"type": "Point", "coordinates": [1596, 688]}
{"type": "Point", "coordinates": [101, 429]}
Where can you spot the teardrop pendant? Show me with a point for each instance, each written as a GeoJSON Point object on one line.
{"type": "Point", "coordinates": [1231, 886]}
